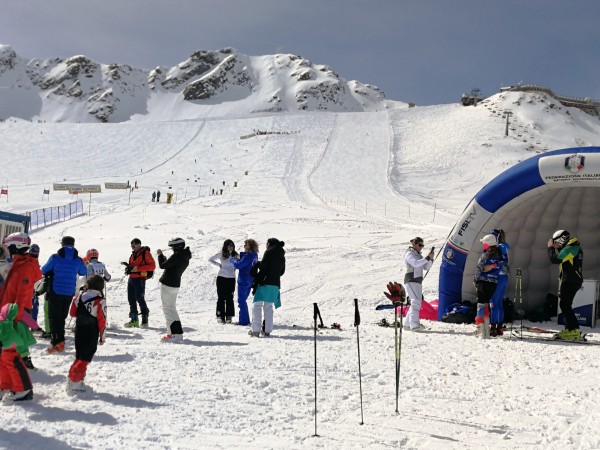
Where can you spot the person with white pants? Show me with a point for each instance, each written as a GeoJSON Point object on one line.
{"type": "Point", "coordinates": [413, 279]}
{"type": "Point", "coordinates": [268, 279]}
{"type": "Point", "coordinates": [170, 283]}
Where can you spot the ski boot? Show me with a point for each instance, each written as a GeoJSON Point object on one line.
{"type": "Point", "coordinates": [28, 363]}
{"type": "Point", "coordinates": [133, 321]}
{"type": "Point", "coordinates": [145, 314]}
{"type": "Point", "coordinates": [568, 335]}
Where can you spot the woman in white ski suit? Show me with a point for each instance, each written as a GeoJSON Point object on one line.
{"type": "Point", "coordinates": [413, 279]}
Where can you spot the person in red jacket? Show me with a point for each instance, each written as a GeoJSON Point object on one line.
{"type": "Point", "coordinates": [18, 288]}
{"type": "Point", "coordinates": [90, 310]}
{"type": "Point", "coordinates": [140, 267]}
{"type": "Point", "coordinates": [24, 272]}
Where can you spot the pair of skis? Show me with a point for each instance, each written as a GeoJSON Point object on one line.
{"type": "Point", "coordinates": [542, 334]}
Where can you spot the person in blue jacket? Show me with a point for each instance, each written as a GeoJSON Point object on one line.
{"type": "Point", "coordinates": [61, 269]}
{"type": "Point", "coordinates": [243, 264]}
{"type": "Point", "coordinates": [496, 302]}
{"type": "Point", "coordinates": [488, 269]}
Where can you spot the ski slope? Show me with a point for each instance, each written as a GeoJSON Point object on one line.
{"type": "Point", "coordinates": [346, 192]}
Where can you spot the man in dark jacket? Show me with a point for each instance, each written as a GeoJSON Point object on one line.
{"type": "Point", "coordinates": [61, 271]}
{"type": "Point", "coordinates": [170, 284]}
{"type": "Point", "coordinates": [566, 251]}
{"type": "Point", "coordinates": [268, 278]}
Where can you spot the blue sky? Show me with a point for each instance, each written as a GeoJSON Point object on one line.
{"type": "Point", "coordinates": [423, 51]}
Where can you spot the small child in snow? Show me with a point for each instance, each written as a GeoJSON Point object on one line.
{"type": "Point", "coordinates": [15, 384]}
{"type": "Point", "coordinates": [94, 267]}
{"type": "Point", "coordinates": [89, 308]}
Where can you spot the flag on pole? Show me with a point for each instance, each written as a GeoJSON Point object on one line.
{"type": "Point", "coordinates": [4, 191]}
{"type": "Point", "coordinates": [46, 192]}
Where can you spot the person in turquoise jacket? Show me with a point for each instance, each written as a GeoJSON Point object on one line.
{"type": "Point", "coordinates": [244, 264]}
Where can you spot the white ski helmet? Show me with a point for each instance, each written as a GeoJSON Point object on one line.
{"type": "Point", "coordinates": [19, 240]}
{"type": "Point", "coordinates": [490, 240]}
{"type": "Point", "coordinates": [561, 237]}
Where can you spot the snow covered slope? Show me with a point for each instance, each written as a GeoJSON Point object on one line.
{"type": "Point", "coordinates": [345, 191]}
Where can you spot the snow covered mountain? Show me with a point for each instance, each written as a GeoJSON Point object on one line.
{"type": "Point", "coordinates": [208, 83]}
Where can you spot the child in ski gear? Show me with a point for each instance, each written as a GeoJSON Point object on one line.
{"type": "Point", "coordinates": [225, 281]}
{"type": "Point", "coordinates": [170, 282]}
{"type": "Point", "coordinates": [566, 251]}
{"type": "Point", "coordinates": [62, 269]}
{"type": "Point", "coordinates": [140, 267]}
{"type": "Point", "coordinates": [18, 288]}
{"type": "Point", "coordinates": [488, 269]}
{"type": "Point", "coordinates": [94, 267]}
{"type": "Point", "coordinates": [496, 302]}
{"type": "Point", "coordinates": [267, 295]}
{"type": "Point", "coordinates": [15, 384]}
{"type": "Point", "coordinates": [244, 264]}
{"type": "Point", "coordinates": [413, 279]}
{"type": "Point", "coordinates": [89, 308]}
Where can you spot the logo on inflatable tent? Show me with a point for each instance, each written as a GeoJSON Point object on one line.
{"type": "Point", "coordinates": [575, 163]}
{"type": "Point", "coordinates": [449, 253]}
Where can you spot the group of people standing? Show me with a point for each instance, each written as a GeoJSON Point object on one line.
{"type": "Point", "coordinates": [262, 278]}
{"type": "Point", "coordinates": [76, 286]}
{"type": "Point", "coordinates": [491, 280]}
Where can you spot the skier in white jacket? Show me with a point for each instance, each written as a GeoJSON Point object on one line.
{"type": "Point", "coordinates": [416, 264]}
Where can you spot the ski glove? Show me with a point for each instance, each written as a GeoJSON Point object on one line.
{"type": "Point", "coordinates": [128, 268]}
{"type": "Point", "coordinates": [396, 294]}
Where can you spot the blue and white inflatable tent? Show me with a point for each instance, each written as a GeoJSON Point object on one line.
{"type": "Point", "coordinates": [555, 190]}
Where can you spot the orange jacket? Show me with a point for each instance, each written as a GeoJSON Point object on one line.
{"type": "Point", "coordinates": [143, 261]}
{"type": "Point", "coordinates": [18, 287]}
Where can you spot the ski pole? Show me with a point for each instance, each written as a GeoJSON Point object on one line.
{"type": "Point", "coordinates": [397, 352]}
{"type": "Point", "coordinates": [316, 313]}
{"type": "Point", "coordinates": [356, 324]}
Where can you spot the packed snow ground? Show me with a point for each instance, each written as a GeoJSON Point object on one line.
{"type": "Point", "coordinates": [345, 192]}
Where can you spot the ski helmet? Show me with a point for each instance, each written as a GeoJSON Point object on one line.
{"type": "Point", "coordinates": [34, 250]}
{"type": "Point", "coordinates": [19, 240]}
{"type": "Point", "coordinates": [561, 237]}
{"type": "Point", "coordinates": [489, 240]}
{"type": "Point", "coordinates": [176, 243]}
{"type": "Point", "coordinates": [92, 253]}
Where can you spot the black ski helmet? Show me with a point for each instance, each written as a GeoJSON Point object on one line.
{"type": "Point", "coordinates": [177, 243]}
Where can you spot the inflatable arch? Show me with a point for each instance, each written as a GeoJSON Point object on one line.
{"type": "Point", "coordinates": [555, 190]}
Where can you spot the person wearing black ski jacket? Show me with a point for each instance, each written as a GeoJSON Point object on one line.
{"type": "Point", "coordinates": [170, 282]}
{"type": "Point", "coordinates": [267, 294]}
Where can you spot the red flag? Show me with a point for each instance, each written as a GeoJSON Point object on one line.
{"type": "Point", "coordinates": [4, 191]}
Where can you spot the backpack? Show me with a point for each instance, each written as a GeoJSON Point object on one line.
{"type": "Point", "coordinates": [464, 312]}
{"type": "Point", "coordinates": [149, 273]}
